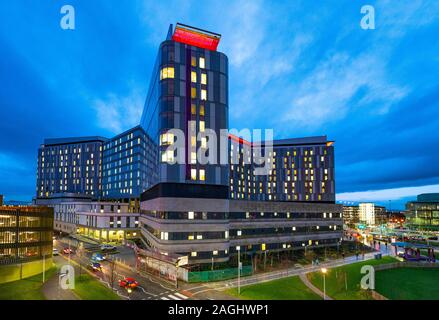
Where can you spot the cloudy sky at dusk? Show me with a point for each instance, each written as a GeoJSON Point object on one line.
{"type": "Point", "coordinates": [300, 67]}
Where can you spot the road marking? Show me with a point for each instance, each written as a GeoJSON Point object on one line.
{"type": "Point", "coordinates": [164, 298]}
{"type": "Point", "coordinates": [173, 297]}
{"type": "Point", "coordinates": [181, 295]}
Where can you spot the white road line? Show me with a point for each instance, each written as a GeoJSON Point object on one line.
{"type": "Point", "coordinates": [173, 297]}
{"type": "Point", "coordinates": [181, 295]}
{"type": "Point", "coordinates": [164, 298]}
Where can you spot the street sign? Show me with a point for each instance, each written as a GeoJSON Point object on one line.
{"type": "Point", "coordinates": [182, 261]}
{"type": "Point", "coordinates": [240, 266]}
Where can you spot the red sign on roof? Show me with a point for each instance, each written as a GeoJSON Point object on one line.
{"type": "Point", "coordinates": [196, 37]}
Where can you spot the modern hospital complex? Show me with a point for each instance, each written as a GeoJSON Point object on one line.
{"type": "Point", "coordinates": [139, 185]}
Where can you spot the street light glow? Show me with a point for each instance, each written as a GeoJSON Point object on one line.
{"type": "Point", "coordinates": [324, 270]}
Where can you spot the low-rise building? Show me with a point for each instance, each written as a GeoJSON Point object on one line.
{"type": "Point", "coordinates": [26, 234]}
{"type": "Point", "coordinates": [424, 212]}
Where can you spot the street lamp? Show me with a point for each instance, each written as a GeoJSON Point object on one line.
{"type": "Point", "coordinates": [238, 248]}
{"type": "Point", "coordinates": [324, 270]}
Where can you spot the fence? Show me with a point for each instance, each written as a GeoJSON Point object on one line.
{"type": "Point", "coordinates": [218, 275]}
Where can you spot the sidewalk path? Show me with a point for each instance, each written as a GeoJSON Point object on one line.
{"type": "Point", "coordinates": [313, 288]}
{"type": "Point", "coordinates": [52, 290]}
{"type": "Point", "coordinates": [269, 276]}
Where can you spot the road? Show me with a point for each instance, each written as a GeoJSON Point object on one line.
{"type": "Point", "coordinates": [149, 287]}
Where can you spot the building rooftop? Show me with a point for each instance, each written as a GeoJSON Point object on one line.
{"type": "Point", "coordinates": [428, 197]}
{"type": "Point", "coordinates": [196, 37]}
{"type": "Point", "coordinates": [73, 140]}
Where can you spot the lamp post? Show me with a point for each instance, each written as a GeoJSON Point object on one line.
{"type": "Point", "coordinates": [239, 269]}
{"type": "Point", "coordinates": [324, 270]}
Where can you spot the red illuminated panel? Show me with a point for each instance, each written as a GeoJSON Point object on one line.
{"type": "Point", "coordinates": [239, 139]}
{"type": "Point", "coordinates": [193, 37]}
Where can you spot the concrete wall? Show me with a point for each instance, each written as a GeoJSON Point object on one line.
{"type": "Point", "coordinates": [16, 272]}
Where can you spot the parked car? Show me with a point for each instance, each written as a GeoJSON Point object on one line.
{"type": "Point", "coordinates": [55, 252]}
{"type": "Point", "coordinates": [68, 251]}
{"type": "Point", "coordinates": [108, 247]}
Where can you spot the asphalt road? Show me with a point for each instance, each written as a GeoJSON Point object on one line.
{"type": "Point", "coordinates": [149, 287]}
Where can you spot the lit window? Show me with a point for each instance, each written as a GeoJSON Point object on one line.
{"type": "Point", "coordinates": [194, 76]}
{"type": "Point", "coordinates": [203, 94]}
{"type": "Point", "coordinates": [193, 93]}
{"type": "Point", "coordinates": [203, 78]}
{"type": "Point", "coordinates": [193, 109]}
{"type": "Point", "coordinates": [199, 237]}
{"type": "Point", "coordinates": [167, 72]}
{"type": "Point", "coordinates": [215, 252]}
{"type": "Point", "coordinates": [193, 254]}
{"type": "Point", "coordinates": [203, 142]}
{"type": "Point", "coordinates": [193, 61]}
{"type": "Point", "coordinates": [193, 157]}
{"type": "Point", "coordinates": [194, 174]}
{"type": "Point", "coordinates": [201, 110]}
{"type": "Point", "coordinates": [263, 247]}
{"type": "Point", "coordinates": [190, 215]}
{"type": "Point", "coordinates": [202, 126]}
{"type": "Point", "coordinates": [239, 233]}
{"type": "Point", "coordinates": [202, 175]}
{"type": "Point", "coordinates": [202, 63]}
{"type": "Point", "coordinates": [166, 138]}
{"type": "Point", "coordinates": [190, 237]}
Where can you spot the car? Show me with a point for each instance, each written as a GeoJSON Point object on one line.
{"type": "Point", "coordinates": [107, 247]}
{"type": "Point", "coordinates": [95, 266]}
{"type": "Point", "coordinates": [98, 257]}
{"type": "Point", "coordinates": [128, 283]}
{"type": "Point", "coordinates": [55, 252]}
{"type": "Point", "coordinates": [68, 251]}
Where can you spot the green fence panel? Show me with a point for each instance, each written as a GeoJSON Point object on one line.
{"type": "Point", "coordinates": [218, 275]}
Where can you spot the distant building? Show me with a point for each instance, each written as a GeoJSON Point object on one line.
{"type": "Point", "coordinates": [351, 216]}
{"type": "Point", "coordinates": [424, 212]}
{"type": "Point", "coordinates": [1, 199]}
{"type": "Point", "coordinates": [366, 213]}
{"type": "Point", "coordinates": [25, 238]}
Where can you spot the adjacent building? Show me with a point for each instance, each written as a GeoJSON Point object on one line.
{"type": "Point", "coordinates": [25, 240]}
{"type": "Point", "coordinates": [366, 213]}
{"type": "Point", "coordinates": [424, 212]}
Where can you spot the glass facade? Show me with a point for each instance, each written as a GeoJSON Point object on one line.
{"type": "Point", "coordinates": [25, 233]}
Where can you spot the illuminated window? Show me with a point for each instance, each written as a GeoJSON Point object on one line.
{"type": "Point", "coordinates": [190, 215]}
{"type": "Point", "coordinates": [193, 109]}
{"type": "Point", "coordinates": [201, 110]}
{"type": "Point", "coordinates": [193, 141]}
{"type": "Point", "coordinates": [194, 174]}
{"type": "Point", "coordinates": [203, 78]}
{"type": "Point", "coordinates": [203, 142]}
{"type": "Point", "coordinates": [190, 237]}
{"type": "Point", "coordinates": [202, 63]}
{"type": "Point", "coordinates": [193, 76]}
{"type": "Point", "coordinates": [193, 61]}
{"type": "Point", "coordinates": [166, 138]}
{"type": "Point", "coordinates": [193, 254]}
{"type": "Point", "coordinates": [203, 94]}
{"type": "Point", "coordinates": [193, 157]}
{"type": "Point", "coordinates": [202, 126]}
{"type": "Point", "coordinates": [263, 247]}
{"type": "Point", "coordinates": [193, 93]}
{"type": "Point", "coordinates": [215, 252]}
{"type": "Point", "coordinates": [167, 72]}
{"type": "Point", "coordinates": [202, 174]}
{"type": "Point", "coordinates": [168, 156]}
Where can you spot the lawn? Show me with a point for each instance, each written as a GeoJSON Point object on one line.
{"type": "Point", "coordinates": [408, 283]}
{"type": "Point", "coordinates": [343, 283]}
{"type": "Point", "coordinates": [26, 289]}
{"type": "Point", "coordinates": [291, 288]}
{"type": "Point", "coordinates": [89, 288]}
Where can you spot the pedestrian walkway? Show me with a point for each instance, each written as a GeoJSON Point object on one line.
{"type": "Point", "coordinates": [52, 290]}
{"type": "Point", "coordinates": [313, 288]}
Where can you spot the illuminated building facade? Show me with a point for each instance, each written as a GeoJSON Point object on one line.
{"type": "Point", "coordinates": [25, 234]}
{"type": "Point", "coordinates": [424, 212]}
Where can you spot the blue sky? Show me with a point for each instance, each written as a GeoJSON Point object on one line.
{"type": "Point", "coordinates": [306, 64]}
